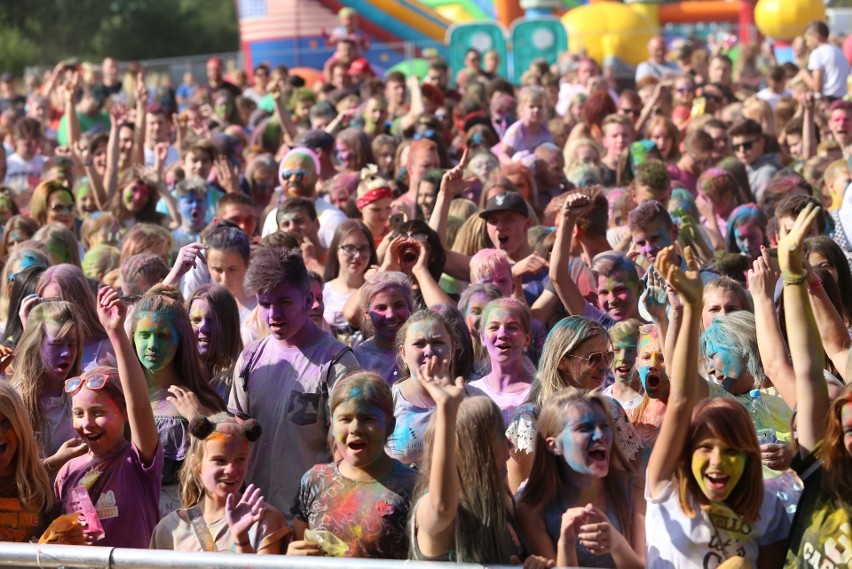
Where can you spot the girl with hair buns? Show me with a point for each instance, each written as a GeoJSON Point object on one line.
{"type": "Point", "coordinates": [373, 200]}
{"type": "Point", "coordinates": [216, 516]}
{"type": "Point", "coordinates": [165, 344]}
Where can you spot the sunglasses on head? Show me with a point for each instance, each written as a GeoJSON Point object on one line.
{"type": "Point", "coordinates": [747, 145]}
{"type": "Point", "coordinates": [93, 382]}
{"type": "Point", "coordinates": [595, 358]}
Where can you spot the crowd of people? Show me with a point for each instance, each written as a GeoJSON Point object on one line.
{"type": "Point", "coordinates": [570, 322]}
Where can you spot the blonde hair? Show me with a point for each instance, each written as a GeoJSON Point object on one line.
{"type": "Point", "coordinates": [563, 339]}
{"type": "Point", "coordinates": [760, 112]}
{"type": "Point", "coordinates": [547, 475]}
{"type": "Point", "coordinates": [34, 488]}
{"type": "Point", "coordinates": [28, 377]}
{"type": "Point", "coordinates": [482, 513]}
{"type": "Point", "coordinates": [470, 237]}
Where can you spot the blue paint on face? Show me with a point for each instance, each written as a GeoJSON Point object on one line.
{"type": "Point", "coordinates": [724, 367]}
{"type": "Point", "coordinates": [586, 440]}
{"type": "Point", "coordinates": [192, 208]}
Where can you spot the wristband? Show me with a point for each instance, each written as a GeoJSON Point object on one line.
{"type": "Point", "coordinates": [815, 286]}
{"type": "Point", "coordinates": [794, 278]}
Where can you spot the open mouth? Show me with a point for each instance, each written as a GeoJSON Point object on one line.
{"type": "Point", "coordinates": [503, 239]}
{"type": "Point", "coordinates": [357, 445]}
{"type": "Point", "coordinates": [90, 438]}
{"type": "Point", "coordinates": [598, 454]}
{"type": "Point", "coordinates": [3, 447]}
{"type": "Point", "coordinates": [717, 481]}
{"type": "Point", "coordinates": [652, 382]}
{"type": "Point", "coordinates": [622, 370]}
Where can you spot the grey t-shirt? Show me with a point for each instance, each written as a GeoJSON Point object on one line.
{"type": "Point", "coordinates": [283, 391]}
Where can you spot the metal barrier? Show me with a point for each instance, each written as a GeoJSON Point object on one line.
{"type": "Point", "coordinates": [68, 556]}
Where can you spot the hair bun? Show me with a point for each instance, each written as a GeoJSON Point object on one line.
{"type": "Point", "coordinates": [252, 430]}
{"type": "Point", "coordinates": [200, 427]}
{"type": "Point", "coordinates": [169, 291]}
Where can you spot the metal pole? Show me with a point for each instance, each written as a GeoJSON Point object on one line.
{"type": "Point", "coordinates": [23, 555]}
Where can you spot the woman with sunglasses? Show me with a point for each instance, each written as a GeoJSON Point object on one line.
{"type": "Point", "coordinates": [116, 484]}
{"type": "Point", "coordinates": [53, 202]}
{"type": "Point", "coordinates": [577, 353]}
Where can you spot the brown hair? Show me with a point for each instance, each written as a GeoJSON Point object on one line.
{"type": "Point", "coordinates": [727, 420]}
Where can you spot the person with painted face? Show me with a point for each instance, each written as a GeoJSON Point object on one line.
{"type": "Point", "coordinates": [191, 196]}
{"type": "Point", "coordinates": [48, 353]}
{"type": "Point", "coordinates": [746, 231]}
{"type": "Point", "coordinates": [578, 507]}
{"type": "Point", "coordinates": [362, 499]}
{"type": "Point", "coordinates": [505, 334]}
{"type": "Point", "coordinates": [425, 336]}
{"type": "Point", "coordinates": [626, 389]}
{"type": "Point", "coordinates": [212, 478]}
{"type": "Point", "coordinates": [386, 304]}
{"type": "Point", "coordinates": [297, 176]}
{"type": "Point", "coordinates": [651, 371]}
{"type": "Point", "coordinates": [164, 342]}
{"type": "Point", "coordinates": [706, 503]}
{"type": "Point", "coordinates": [119, 478]}
{"type": "Point", "coordinates": [284, 379]}
{"type": "Point", "coordinates": [215, 319]}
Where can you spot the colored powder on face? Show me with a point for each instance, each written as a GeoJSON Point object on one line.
{"type": "Point", "coordinates": [729, 463]}
{"type": "Point", "coordinates": [728, 364]}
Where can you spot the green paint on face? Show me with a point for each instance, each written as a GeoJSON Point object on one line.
{"type": "Point", "coordinates": [156, 340]}
{"type": "Point", "coordinates": [717, 468]}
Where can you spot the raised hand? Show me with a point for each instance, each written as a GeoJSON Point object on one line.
{"type": "Point", "coordinates": [434, 375]}
{"type": "Point", "coordinates": [111, 310]}
{"type": "Point", "coordinates": [185, 401]}
{"type": "Point", "coordinates": [654, 296]}
{"type": "Point", "coordinates": [687, 284]}
{"type": "Point", "coordinates": [761, 278]}
{"type": "Point", "coordinates": [226, 175]}
{"type": "Point", "coordinates": [529, 265]}
{"type": "Point", "coordinates": [118, 114]}
{"type": "Point", "coordinates": [453, 182]}
{"type": "Point", "coordinates": [576, 205]}
{"type": "Point", "coordinates": [790, 244]}
{"type": "Point", "coordinates": [242, 515]}
{"type": "Point", "coordinates": [595, 531]}
{"type": "Point", "coordinates": [161, 151]}
{"type": "Point", "coordinates": [141, 90]}
{"type": "Point", "coordinates": [188, 257]}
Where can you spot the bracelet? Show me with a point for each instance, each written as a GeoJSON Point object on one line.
{"type": "Point", "coordinates": [794, 278]}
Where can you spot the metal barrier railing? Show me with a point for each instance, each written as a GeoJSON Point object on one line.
{"type": "Point", "coordinates": [24, 555]}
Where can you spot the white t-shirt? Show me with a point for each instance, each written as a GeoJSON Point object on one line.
{"type": "Point", "coordinates": [656, 70]}
{"type": "Point", "coordinates": [22, 176]}
{"type": "Point", "coordinates": [772, 97]}
{"type": "Point", "coordinates": [706, 540]}
{"type": "Point", "coordinates": [172, 156]}
{"type": "Point", "coordinates": [835, 68]}
{"type": "Point", "coordinates": [329, 218]}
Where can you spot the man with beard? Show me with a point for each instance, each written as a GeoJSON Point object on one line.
{"type": "Point", "coordinates": [298, 178]}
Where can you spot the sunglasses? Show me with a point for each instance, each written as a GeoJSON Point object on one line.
{"type": "Point", "coordinates": [299, 173]}
{"type": "Point", "coordinates": [594, 359]}
{"type": "Point", "coordinates": [634, 112]}
{"type": "Point", "coordinates": [684, 89]}
{"type": "Point", "coordinates": [62, 208]}
{"type": "Point", "coordinates": [747, 145]}
{"type": "Point", "coordinates": [419, 237]}
{"type": "Point", "coordinates": [93, 382]}
{"type": "Point", "coordinates": [425, 134]}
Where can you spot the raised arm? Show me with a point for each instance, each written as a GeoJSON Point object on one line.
{"type": "Point", "coordinates": [139, 120]}
{"type": "Point", "coordinates": [575, 206]}
{"type": "Point", "coordinates": [684, 370]}
{"type": "Point", "coordinates": [832, 329]}
{"type": "Point", "coordinates": [72, 121]}
{"type": "Point", "coordinates": [453, 183]}
{"type": "Point", "coordinates": [416, 107]}
{"type": "Point", "coordinates": [161, 150]}
{"type": "Point", "coordinates": [770, 343]}
{"type": "Point", "coordinates": [805, 348]}
{"type": "Point", "coordinates": [282, 113]}
{"type": "Point", "coordinates": [430, 289]}
{"type": "Point", "coordinates": [105, 189]}
{"type": "Point", "coordinates": [143, 432]}
{"type": "Point", "coordinates": [809, 139]}
{"type": "Point", "coordinates": [436, 513]}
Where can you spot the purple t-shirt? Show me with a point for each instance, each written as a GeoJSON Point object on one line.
{"type": "Point", "coordinates": [128, 506]}
{"type": "Point", "coordinates": [519, 138]}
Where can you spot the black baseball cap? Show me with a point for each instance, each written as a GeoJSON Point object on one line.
{"type": "Point", "coordinates": [507, 201]}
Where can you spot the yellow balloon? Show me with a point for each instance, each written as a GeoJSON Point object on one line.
{"type": "Point", "coordinates": [785, 19]}
{"type": "Point", "coordinates": [454, 13]}
{"type": "Point", "coordinates": [606, 29]}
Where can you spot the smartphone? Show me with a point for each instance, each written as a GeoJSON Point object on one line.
{"type": "Point", "coordinates": [396, 220]}
{"type": "Point", "coordinates": [773, 259]}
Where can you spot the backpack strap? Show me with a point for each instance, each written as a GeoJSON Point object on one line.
{"type": "Point", "coordinates": [325, 380]}
{"type": "Point", "coordinates": [250, 357]}
{"type": "Point", "coordinates": [200, 529]}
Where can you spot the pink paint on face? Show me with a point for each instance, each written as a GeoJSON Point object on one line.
{"type": "Point", "coordinates": [98, 420]}
{"type": "Point", "coordinates": [223, 468]}
{"type": "Point", "coordinates": [388, 312]}
{"type": "Point", "coordinates": [58, 354]}
{"type": "Point", "coordinates": [618, 297]}
{"type": "Point", "coordinates": [504, 337]}
{"type": "Point", "coordinates": [749, 237]}
{"type": "Point", "coordinates": [651, 239]}
{"type": "Point", "coordinates": [501, 278]}
{"type": "Point", "coordinates": [201, 319]}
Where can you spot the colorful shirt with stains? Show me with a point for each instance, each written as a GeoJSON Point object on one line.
{"type": "Point", "coordinates": [370, 517]}
{"type": "Point", "coordinates": [822, 529]}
